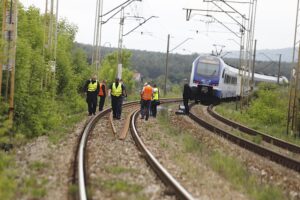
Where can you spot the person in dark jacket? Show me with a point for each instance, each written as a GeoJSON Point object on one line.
{"type": "Point", "coordinates": [187, 92]}
{"type": "Point", "coordinates": [102, 94]}
{"type": "Point", "coordinates": [117, 91]}
{"type": "Point", "coordinates": [91, 88]}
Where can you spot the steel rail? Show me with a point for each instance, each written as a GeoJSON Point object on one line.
{"type": "Point", "coordinates": [267, 138]}
{"type": "Point", "coordinates": [80, 151]}
{"type": "Point", "coordinates": [162, 173]}
{"type": "Point", "coordinates": [271, 155]}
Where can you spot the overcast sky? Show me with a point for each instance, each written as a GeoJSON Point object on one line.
{"type": "Point", "coordinates": [275, 24]}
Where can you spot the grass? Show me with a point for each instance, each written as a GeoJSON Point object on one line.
{"type": "Point", "coordinates": [38, 166]}
{"type": "Point", "coordinates": [35, 188]}
{"type": "Point", "coordinates": [277, 130]}
{"type": "Point", "coordinates": [57, 135]}
{"type": "Point", "coordinates": [122, 190]}
{"type": "Point", "coordinates": [8, 185]}
{"type": "Point", "coordinates": [191, 145]}
{"type": "Point", "coordinates": [228, 167]}
{"type": "Point", "coordinates": [73, 190]}
{"type": "Point", "coordinates": [236, 173]}
{"type": "Point", "coordinates": [118, 170]}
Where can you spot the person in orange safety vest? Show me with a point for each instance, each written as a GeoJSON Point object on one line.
{"type": "Point", "coordinates": [102, 94]}
{"type": "Point", "coordinates": [146, 96]}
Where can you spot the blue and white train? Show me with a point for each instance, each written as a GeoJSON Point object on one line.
{"type": "Point", "coordinates": [212, 79]}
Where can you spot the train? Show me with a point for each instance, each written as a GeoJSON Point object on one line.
{"type": "Point", "coordinates": [213, 80]}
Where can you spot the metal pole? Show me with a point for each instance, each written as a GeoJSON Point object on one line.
{"type": "Point", "coordinates": [296, 103]}
{"type": "Point", "coordinates": [119, 73]}
{"type": "Point", "coordinates": [95, 30]}
{"type": "Point", "coordinates": [3, 38]}
{"type": "Point", "coordinates": [100, 34]}
{"type": "Point", "coordinates": [96, 59]}
{"type": "Point", "coordinates": [296, 28]}
{"type": "Point", "coordinates": [13, 57]}
{"type": "Point", "coordinates": [253, 65]}
{"type": "Point", "coordinates": [45, 27]}
{"type": "Point", "coordinates": [56, 32]}
{"type": "Point", "coordinates": [167, 59]}
{"type": "Point", "coordinates": [279, 63]}
{"type": "Point", "coordinates": [10, 27]}
{"type": "Point", "coordinates": [241, 68]}
{"type": "Point", "coordinates": [290, 111]}
{"type": "Point", "coordinates": [50, 33]}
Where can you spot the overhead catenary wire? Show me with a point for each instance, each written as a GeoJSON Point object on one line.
{"type": "Point", "coordinates": [121, 5]}
{"type": "Point", "coordinates": [138, 26]}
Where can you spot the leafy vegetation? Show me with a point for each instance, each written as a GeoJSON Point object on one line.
{"type": "Point", "coordinates": [44, 100]}
{"type": "Point", "coordinates": [226, 166]}
{"type": "Point", "coordinates": [267, 111]}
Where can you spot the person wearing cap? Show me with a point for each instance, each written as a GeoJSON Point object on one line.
{"type": "Point", "coordinates": [117, 91]}
{"type": "Point", "coordinates": [146, 95]}
{"type": "Point", "coordinates": [91, 88]}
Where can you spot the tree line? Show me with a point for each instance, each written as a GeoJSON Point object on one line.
{"type": "Point", "coordinates": [43, 99]}
{"type": "Point", "coordinates": [152, 65]}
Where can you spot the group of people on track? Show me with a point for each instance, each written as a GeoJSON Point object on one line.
{"type": "Point", "coordinates": [117, 91]}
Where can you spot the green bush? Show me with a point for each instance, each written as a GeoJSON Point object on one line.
{"type": "Point", "coordinates": [267, 111]}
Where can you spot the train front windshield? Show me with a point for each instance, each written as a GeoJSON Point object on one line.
{"type": "Point", "coordinates": [208, 68]}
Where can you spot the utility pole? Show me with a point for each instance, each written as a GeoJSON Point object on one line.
{"type": "Point", "coordinates": [167, 58]}
{"type": "Point", "coordinates": [279, 63]}
{"type": "Point", "coordinates": [253, 66]}
{"type": "Point", "coordinates": [9, 36]}
{"type": "Point", "coordinates": [13, 59]}
{"type": "Point", "coordinates": [292, 117]}
{"type": "Point", "coordinates": [120, 44]}
{"type": "Point", "coordinates": [2, 56]}
{"type": "Point", "coordinates": [50, 41]}
{"type": "Point", "coordinates": [96, 56]}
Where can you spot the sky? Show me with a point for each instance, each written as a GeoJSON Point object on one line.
{"type": "Point", "coordinates": [274, 27]}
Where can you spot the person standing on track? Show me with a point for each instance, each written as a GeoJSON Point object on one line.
{"type": "Point", "coordinates": [155, 100]}
{"type": "Point", "coordinates": [124, 94]}
{"type": "Point", "coordinates": [187, 92]}
{"type": "Point", "coordinates": [117, 90]}
{"type": "Point", "coordinates": [102, 95]}
{"type": "Point", "coordinates": [91, 89]}
{"type": "Point", "coordinates": [146, 95]}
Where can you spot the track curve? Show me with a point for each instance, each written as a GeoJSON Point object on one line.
{"type": "Point", "coordinates": [260, 150]}
{"type": "Point", "coordinates": [162, 173]}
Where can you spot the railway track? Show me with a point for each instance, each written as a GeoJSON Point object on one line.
{"type": "Point", "coordinates": [249, 145]}
{"type": "Point", "coordinates": [267, 138]}
{"type": "Point", "coordinates": [80, 174]}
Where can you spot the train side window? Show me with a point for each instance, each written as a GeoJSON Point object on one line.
{"type": "Point", "coordinates": [227, 79]}
{"type": "Point", "coordinates": [230, 80]}
{"type": "Point", "coordinates": [233, 80]}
